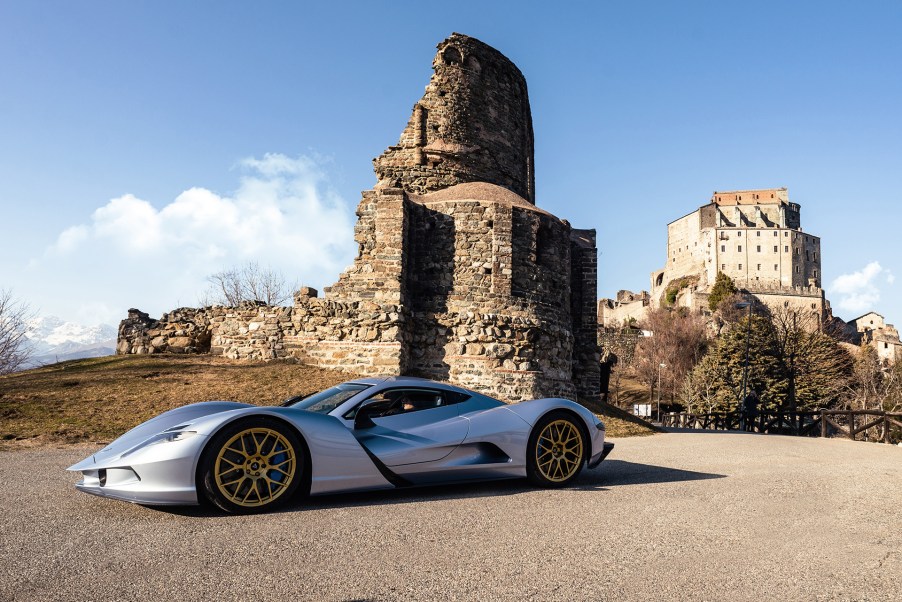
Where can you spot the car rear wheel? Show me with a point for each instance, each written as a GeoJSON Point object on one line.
{"type": "Point", "coordinates": [556, 451]}
{"type": "Point", "coordinates": [252, 466]}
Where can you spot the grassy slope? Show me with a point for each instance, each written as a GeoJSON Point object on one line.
{"type": "Point", "coordinates": [98, 399]}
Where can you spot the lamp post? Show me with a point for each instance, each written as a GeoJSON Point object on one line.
{"type": "Point", "coordinates": [659, 389]}
{"type": "Point", "coordinates": [745, 366]}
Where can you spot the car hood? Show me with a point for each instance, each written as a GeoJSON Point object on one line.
{"type": "Point", "coordinates": [165, 421]}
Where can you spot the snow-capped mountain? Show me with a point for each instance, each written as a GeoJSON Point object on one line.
{"type": "Point", "coordinates": [53, 340]}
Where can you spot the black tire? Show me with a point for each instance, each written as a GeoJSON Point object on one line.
{"type": "Point", "coordinates": [556, 451]}
{"type": "Point", "coordinates": [253, 465]}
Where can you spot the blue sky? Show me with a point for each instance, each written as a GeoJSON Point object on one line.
{"type": "Point", "coordinates": [146, 145]}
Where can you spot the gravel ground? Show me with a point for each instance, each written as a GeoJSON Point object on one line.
{"type": "Point", "coordinates": [678, 516]}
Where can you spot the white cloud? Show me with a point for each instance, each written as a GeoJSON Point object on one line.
{"type": "Point", "coordinates": [283, 215]}
{"type": "Point", "coordinates": [859, 291]}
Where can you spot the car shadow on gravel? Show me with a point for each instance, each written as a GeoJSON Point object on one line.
{"type": "Point", "coordinates": [612, 473]}
{"type": "Point", "coordinates": [385, 497]}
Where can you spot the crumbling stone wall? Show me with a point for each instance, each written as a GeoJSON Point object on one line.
{"type": "Point", "coordinates": [473, 124]}
{"type": "Point", "coordinates": [458, 275]}
{"type": "Point", "coordinates": [183, 330]}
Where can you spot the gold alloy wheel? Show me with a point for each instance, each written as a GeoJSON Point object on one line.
{"type": "Point", "coordinates": [559, 451]}
{"type": "Point", "coordinates": [255, 467]}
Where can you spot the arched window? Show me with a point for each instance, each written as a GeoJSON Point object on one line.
{"type": "Point", "coordinates": [451, 56]}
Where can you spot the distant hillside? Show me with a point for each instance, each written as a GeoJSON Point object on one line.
{"type": "Point", "coordinates": [99, 399]}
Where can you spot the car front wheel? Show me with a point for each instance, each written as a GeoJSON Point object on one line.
{"type": "Point", "coordinates": [252, 466]}
{"type": "Point", "coordinates": [556, 450]}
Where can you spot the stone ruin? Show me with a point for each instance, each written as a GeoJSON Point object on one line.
{"type": "Point", "coordinates": [458, 276]}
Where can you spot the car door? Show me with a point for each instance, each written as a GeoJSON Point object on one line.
{"type": "Point", "coordinates": [428, 431]}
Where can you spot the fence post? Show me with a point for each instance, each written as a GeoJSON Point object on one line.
{"type": "Point", "coordinates": [851, 425]}
{"type": "Point", "coordinates": [823, 423]}
{"type": "Point", "coordinates": [885, 428]}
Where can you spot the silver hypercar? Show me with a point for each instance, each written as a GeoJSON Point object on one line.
{"type": "Point", "coordinates": [372, 433]}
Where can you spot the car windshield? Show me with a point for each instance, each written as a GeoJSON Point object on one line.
{"type": "Point", "coordinates": [326, 401]}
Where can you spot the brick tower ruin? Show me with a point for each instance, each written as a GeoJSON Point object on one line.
{"type": "Point", "coordinates": [458, 275]}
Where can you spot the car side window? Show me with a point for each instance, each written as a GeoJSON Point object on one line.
{"type": "Point", "coordinates": [392, 402]}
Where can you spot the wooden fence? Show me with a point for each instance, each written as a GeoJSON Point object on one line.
{"type": "Point", "coordinates": [858, 425]}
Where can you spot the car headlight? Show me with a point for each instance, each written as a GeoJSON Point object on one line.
{"type": "Point", "coordinates": [167, 436]}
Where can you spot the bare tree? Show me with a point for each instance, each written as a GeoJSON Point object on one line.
{"type": "Point", "coordinates": [874, 385]}
{"type": "Point", "coordinates": [14, 349]}
{"type": "Point", "coordinates": [249, 282]}
{"type": "Point", "coordinates": [678, 343]}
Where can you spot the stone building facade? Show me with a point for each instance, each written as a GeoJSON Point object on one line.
{"type": "Point", "coordinates": [626, 308]}
{"type": "Point", "coordinates": [458, 275]}
{"type": "Point", "coordinates": [754, 237]}
{"type": "Point", "coordinates": [872, 329]}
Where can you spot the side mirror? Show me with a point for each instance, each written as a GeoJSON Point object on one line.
{"type": "Point", "coordinates": [363, 419]}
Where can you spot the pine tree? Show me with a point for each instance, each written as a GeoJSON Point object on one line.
{"type": "Point", "coordinates": [723, 288]}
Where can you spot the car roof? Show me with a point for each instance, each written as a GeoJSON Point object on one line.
{"type": "Point", "coordinates": [411, 381]}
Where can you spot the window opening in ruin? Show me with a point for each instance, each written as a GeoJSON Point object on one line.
{"type": "Point", "coordinates": [786, 248]}
{"type": "Point", "coordinates": [775, 267]}
{"type": "Point", "coordinates": [723, 267]}
{"type": "Point", "coordinates": [740, 248]}
{"type": "Point", "coordinates": [797, 269]}
{"type": "Point", "coordinates": [775, 233]}
{"type": "Point", "coordinates": [758, 232]}
{"type": "Point", "coordinates": [759, 248]}
{"type": "Point", "coordinates": [815, 255]}
{"type": "Point", "coordinates": [723, 248]}
{"type": "Point", "coordinates": [759, 266]}
{"type": "Point", "coordinates": [739, 233]}
{"type": "Point", "coordinates": [451, 56]}
{"type": "Point", "coordinates": [491, 223]}
{"type": "Point", "coordinates": [786, 234]}
{"type": "Point", "coordinates": [740, 266]}
{"type": "Point", "coordinates": [776, 248]}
